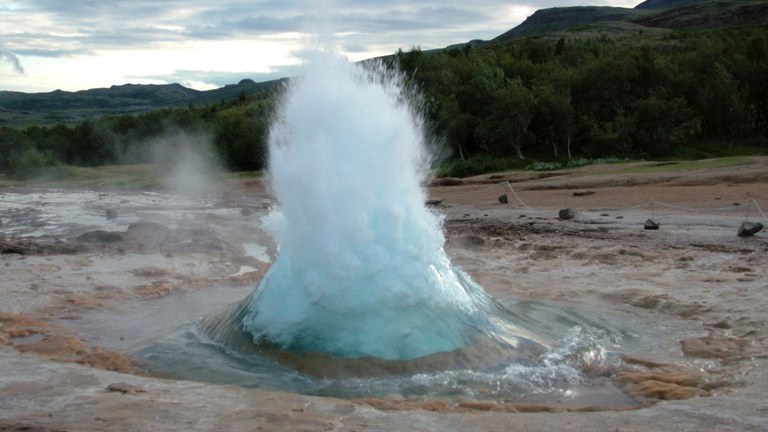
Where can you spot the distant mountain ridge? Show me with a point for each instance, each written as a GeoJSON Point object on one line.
{"type": "Point", "coordinates": [22, 109]}
{"type": "Point", "coordinates": [666, 4]}
{"type": "Point", "coordinates": [709, 14]}
{"type": "Point", "coordinates": [559, 19]}
{"type": "Point", "coordinates": [58, 106]}
{"type": "Point", "coordinates": [660, 14]}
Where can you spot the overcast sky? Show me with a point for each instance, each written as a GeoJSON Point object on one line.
{"type": "Point", "coordinates": [79, 44]}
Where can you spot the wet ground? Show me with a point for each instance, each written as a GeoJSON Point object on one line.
{"type": "Point", "coordinates": [88, 278]}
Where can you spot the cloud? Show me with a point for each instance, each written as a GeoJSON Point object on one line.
{"type": "Point", "coordinates": [215, 79]}
{"type": "Point", "coordinates": [13, 61]}
{"type": "Point", "coordinates": [110, 39]}
{"type": "Point", "coordinates": [112, 24]}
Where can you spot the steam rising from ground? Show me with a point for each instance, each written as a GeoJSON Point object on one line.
{"type": "Point", "coordinates": [186, 162]}
{"type": "Point", "coordinates": [361, 269]}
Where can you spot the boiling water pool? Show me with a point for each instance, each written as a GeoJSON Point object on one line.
{"type": "Point", "coordinates": [166, 337]}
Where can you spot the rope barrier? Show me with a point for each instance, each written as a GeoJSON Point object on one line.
{"type": "Point", "coordinates": [709, 209]}
{"type": "Point", "coordinates": [753, 202]}
{"type": "Point", "coordinates": [517, 197]}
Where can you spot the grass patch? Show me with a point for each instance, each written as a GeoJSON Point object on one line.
{"type": "Point", "coordinates": [573, 163]}
{"type": "Point", "coordinates": [689, 165]}
{"type": "Point", "coordinates": [620, 166]}
{"type": "Point", "coordinates": [143, 176]}
{"type": "Point", "coordinates": [108, 176]}
{"type": "Point", "coordinates": [671, 166]}
{"type": "Point", "coordinates": [243, 175]}
{"type": "Point", "coordinates": [477, 165]}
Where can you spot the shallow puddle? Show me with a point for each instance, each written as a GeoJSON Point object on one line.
{"type": "Point", "coordinates": [54, 212]}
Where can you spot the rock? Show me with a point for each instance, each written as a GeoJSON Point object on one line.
{"type": "Point", "coordinates": [583, 193]}
{"type": "Point", "coordinates": [434, 202]}
{"type": "Point", "coordinates": [101, 236]}
{"type": "Point", "coordinates": [567, 213]}
{"type": "Point", "coordinates": [125, 388]}
{"type": "Point", "coordinates": [503, 199]}
{"type": "Point", "coordinates": [111, 214]}
{"type": "Point", "coordinates": [245, 211]}
{"type": "Point", "coordinates": [748, 229]}
{"type": "Point", "coordinates": [651, 224]}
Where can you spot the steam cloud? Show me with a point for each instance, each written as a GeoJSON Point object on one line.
{"type": "Point", "coordinates": [187, 162]}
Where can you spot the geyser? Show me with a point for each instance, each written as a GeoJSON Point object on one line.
{"type": "Point", "coordinates": [361, 270]}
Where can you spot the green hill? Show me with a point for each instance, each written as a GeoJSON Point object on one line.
{"type": "Point", "coordinates": [552, 20]}
{"type": "Point", "coordinates": [648, 23]}
{"type": "Point", "coordinates": [57, 107]}
{"type": "Point", "coordinates": [652, 14]}
{"type": "Point", "coordinates": [708, 15]}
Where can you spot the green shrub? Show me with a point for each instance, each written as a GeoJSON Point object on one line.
{"type": "Point", "coordinates": [474, 166]}
{"type": "Point", "coordinates": [573, 163]}
{"type": "Point", "coordinates": [31, 163]}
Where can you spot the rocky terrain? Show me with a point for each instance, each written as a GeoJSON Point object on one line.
{"type": "Point", "coordinates": [74, 262]}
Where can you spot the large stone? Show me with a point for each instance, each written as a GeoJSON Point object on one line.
{"type": "Point", "coordinates": [651, 224]}
{"type": "Point", "coordinates": [503, 199]}
{"type": "Point", "coordinates": [748, 229]}
{"type": "Point", "coordinates": [567, 213]}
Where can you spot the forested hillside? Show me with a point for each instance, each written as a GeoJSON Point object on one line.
{"type": "Point", "coordinates": [236, 130]}
{"type": "Point", "coordinates": [62, 107]}
{"type": "Point", "coordinates": [599, 90]}
{"type": "Point", "coordinates": [689, 93]}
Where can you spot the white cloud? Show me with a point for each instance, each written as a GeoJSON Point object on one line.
{"type": "Point", "coordinates": [78, 44]}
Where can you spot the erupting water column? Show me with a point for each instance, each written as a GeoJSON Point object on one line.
{"type": "Point", "coordinates": [361, 270]}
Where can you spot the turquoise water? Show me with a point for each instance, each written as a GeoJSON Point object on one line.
{"type": "Point", "coordinates": [585, 350]}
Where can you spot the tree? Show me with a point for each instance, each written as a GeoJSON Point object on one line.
{"type": "Point", "coordinates": [505, 129]}
{"type": "Point", "coordinates": [661, 126]}
{"type": "Point", "coordinates": [240, 135]}
{"type": "Point", "coordinates": [721, 104]}
{"type": "Point", "coordinates": [756, 71]}
{"type": "Point", "coordinates": [552, 120]}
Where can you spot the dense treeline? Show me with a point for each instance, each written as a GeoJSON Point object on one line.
{"type": "Point", "coordinates": [236, 130]}
{"type": "Point", "coordinates": [688, 94]}
{"type": "Point", "coordinates": [692, 94]}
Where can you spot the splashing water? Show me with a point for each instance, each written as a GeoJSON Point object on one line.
{"type": "Point", "coordinates": [361, 270]}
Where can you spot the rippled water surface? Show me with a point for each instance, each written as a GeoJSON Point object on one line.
{"type": "Point", "coordinates": [586, 345]}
